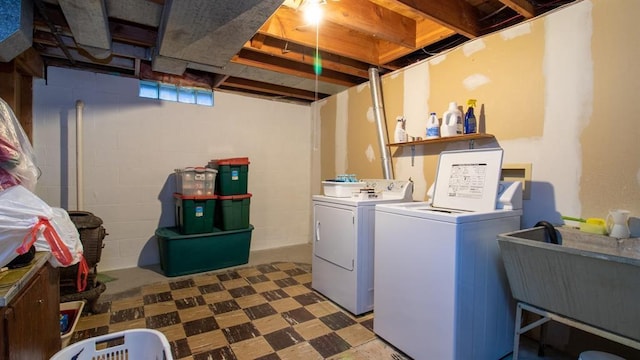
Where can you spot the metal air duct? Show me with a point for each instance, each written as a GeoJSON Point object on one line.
{"type": "Point", "coordinates": [381, 122]}
{"type": "Point", "coordinates": [16, 28]}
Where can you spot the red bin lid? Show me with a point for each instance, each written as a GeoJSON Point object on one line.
{"type": "Point", "coordinates": [234, 197]}
{"type": "Point", "coordinates": [194, 197]}
{"type": "Point", "coordinates": [232, 161]}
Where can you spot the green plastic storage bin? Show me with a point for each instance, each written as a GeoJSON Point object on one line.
{"type": "Point", "coordinates": [189, 254]}
{"type": "Point", "coordinates": [195, 213]}
{"type": "Point", "coordinates": [232, 212]}
{"type": "Point", "coordinates": [232, 177]}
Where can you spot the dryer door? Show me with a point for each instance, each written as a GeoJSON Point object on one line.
{"type": "Point", "coordinates": [335, 234]}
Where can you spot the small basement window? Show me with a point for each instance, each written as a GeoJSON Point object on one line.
{"type": "Point", "coordinates": [170, 92]}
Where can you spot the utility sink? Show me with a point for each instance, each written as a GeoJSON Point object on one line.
{"type": "Point", "coordinates": [594, 279]}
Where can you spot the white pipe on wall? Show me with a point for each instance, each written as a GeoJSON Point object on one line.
{"type": "Point", "coordinates": [79, 160]}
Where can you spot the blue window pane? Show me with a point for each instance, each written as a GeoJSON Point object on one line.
{"type": "Point", "coordinates": [168, 92]}
{"type": "Point", "coordinates": [186, 95]}
{"type": "Point", "coordinates": [148, 89]}
{"type": "Point", "coordinates": [204, 97]}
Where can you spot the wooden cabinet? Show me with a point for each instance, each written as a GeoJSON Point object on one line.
{"type": "Point", "coordinates": [31, 320]}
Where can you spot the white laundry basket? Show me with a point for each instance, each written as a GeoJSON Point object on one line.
{"type": "Point", "coordinates": [139, 344]}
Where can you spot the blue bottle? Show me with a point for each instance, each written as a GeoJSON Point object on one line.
{"type": "Point", "coordinates": [470, 124]}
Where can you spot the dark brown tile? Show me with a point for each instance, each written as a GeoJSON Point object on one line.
{"type": "Point", "coordinates": [242, 291]}
{"type": "Point", "coordinates": [329, 344]}
{"type": "Point", "coordinates": [210, 288]}
{"type": "Point", "coordinates": [240, 332]}
{"type": "Point", "coordinates": [162, 320]}
{"type": "Point", "coordinates": [180, 348]}
{"type": "Point", "coordinates": [88, 333]}
{"type": "Point", "coordinates": [307, 285]}
{"type": "Point", "coordinates": [257, 279]}
{"type": "Point", "coordinates": [274, 295]}
{"type": "Point", "coordinates": [126, 315]}
{"type": "Point", "coordinates": [272, 356]}
{"type": "Point", "coordinates": [230, 275]}
{"type": "Point", "coordinates": [297, 316]}
{"type": "Point", "coordinates": [368, 324]}
{"type": "Point", "coordinates": [283, 338]}
{"type": "Point", "coordinates": [224, 306]}
{"type": "Point", "coordinates": [308, 298]}
{"type": "Point", "coordinates": [259, 311]}
{"type": "Point", "coordinates": [156, 298]}
{"type": "Point", "coordinates": [295, 272]}
{"type": "Point", "coordinates": [267, 268]}
{"type": "Point", "coordinates": [190, 302]}
{"type": "Point", "coordinates": [181, 284]}
{"type": "Point", "coordinates": [223, 353]}
{"type": "Point", "coordinates": [200, 326]}
{"type": "Point", "coordinates": [337, 321]}
{"type": "Point", "coordinates": [286, 282]}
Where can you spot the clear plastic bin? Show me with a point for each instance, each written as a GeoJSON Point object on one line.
{"type": "Point", "coordinates": [195, 181]}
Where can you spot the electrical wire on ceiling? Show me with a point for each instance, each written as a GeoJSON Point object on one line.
{"type": "Point", "coordinates": [456, 41]}
{"type": "Point", "coordinates": [549, 3]}
{"type": "Point", "coordinates": [493, 13]}
{"type": "Point", "coordinates": [506, 21]}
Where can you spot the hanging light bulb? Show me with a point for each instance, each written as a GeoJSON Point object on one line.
{"type": "Point", "coordinates": [313, 12]}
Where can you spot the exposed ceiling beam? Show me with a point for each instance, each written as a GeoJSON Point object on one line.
{"type": "Point", "coordinates": [369, 18]}
{"type": "Point", "coordinates": [522, 7]}
{"type": "Point", "coordinates": [290, 67]}
{"type": "Point", "coordinates": [428, 33]}
{"type": "Point", "coordinates": [273, 89]}
{"type": "Point", "coordinates": [298, 53]}
{"type": "Point", "coordinates": [287, 24]}
{"type": "Point", "coordinates": [458, 15]}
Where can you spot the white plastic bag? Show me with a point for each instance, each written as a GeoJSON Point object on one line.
{"type": "Point", "coordinates": [69, 235]}
{"type": "Point", "coordinates": [19, 213]}
{"type": "Point", "coordinates": [17, 158]}
{"type": "Point", "coordinates": [26, 220]}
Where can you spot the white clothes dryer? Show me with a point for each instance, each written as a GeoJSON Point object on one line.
{"type": "Point", "coordinates": [342, 262]}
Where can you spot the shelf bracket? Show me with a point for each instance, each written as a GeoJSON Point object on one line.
{"type": "Point", "coordinates": [413, 154]}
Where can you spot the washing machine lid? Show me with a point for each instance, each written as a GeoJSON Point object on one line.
{"type": "Point", "coordinates": [467, 180]}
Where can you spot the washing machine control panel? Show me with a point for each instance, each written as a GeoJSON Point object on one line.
{"type": "Point", "coordinates": [390, 188]}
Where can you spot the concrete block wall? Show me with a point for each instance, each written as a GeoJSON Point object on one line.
{"type": "Point", "coordinates": [132, 146]}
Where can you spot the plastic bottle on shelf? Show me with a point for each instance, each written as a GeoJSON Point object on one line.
{"type": "Point", "coordinates": [451, 121]}
{"type": "Point", "coordinates": [400, 134]}
{"type": "Point", "coordinates": [433, 127]}
{"type": "Point", "coordinates": [470, 123]}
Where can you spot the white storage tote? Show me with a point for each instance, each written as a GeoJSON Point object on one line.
{"type": "Point", "coordinates": [139, 344]}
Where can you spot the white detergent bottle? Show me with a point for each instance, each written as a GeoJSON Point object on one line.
{"type": "Point", "coordinates": [433, 127]}
{"type": "Point", "coordinates": [400, 135]}
{"type": "Point", "coordinates": [451, 121]}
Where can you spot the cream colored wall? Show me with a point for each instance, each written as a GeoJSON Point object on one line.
{"type": "Point", "coordinates": [557, 92]}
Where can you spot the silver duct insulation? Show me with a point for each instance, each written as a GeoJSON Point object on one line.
{"type": "Point", "coordinates": [16, 28]}
{"type": "Point", "coordinates": [381, 122]}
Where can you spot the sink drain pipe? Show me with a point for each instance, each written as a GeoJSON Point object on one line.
{"type": "Point", "coordinates": [381, 122]}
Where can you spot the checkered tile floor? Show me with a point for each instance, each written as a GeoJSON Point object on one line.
{"type": "Point", "coordinates": [262, 312]}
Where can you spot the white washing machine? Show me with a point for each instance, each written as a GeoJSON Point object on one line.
{"type": "Point", "coordinates": [342, 264]}
{"type": "Point", "coordinates": [441, 291]}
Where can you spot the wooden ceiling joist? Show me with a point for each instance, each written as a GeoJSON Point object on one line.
{"type": "Point", "coordinates": [522, 7]}
{"type": "Point", "coordinates": [458, 15]}
{"type": "Point", "coordinates": [369, 18]}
